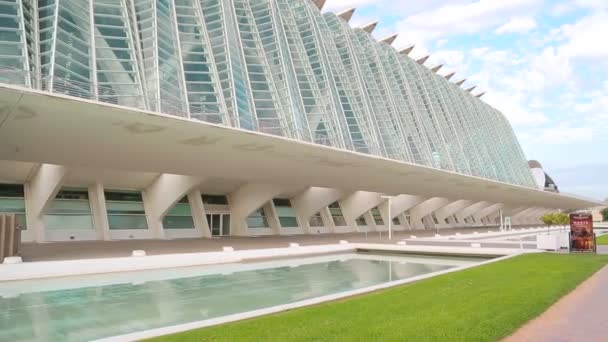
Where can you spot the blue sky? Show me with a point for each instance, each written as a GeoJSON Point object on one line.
{"type": "Point", "coordinates": [543, 63]}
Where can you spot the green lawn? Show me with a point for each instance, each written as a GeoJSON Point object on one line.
{"type": "Point", "coordinates": [602, 240]}
{"type": "Point", "coordinates": [479, 304]}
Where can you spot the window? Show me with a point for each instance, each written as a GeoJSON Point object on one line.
{"type": "Point", "coordinates": [434, 218]}
{"type": "Point", "coordinates": [12, 200]}
{"type": "Point", "coordinates": [70, 210]}
{"type": "Point", "coordinates": [316, 220]}
{"type": "Point", "coordinates": [377, 217]}
{"type": "Point", "coordinates": [215, 199]}
{"type": "Point", "coordinates": [336, 214]}
{"type": "Point", "coordinates": [361, 221]}
{"type": "Point", "coordinates": [286, 214]}
{"type": "Point", "coordinates": [180, 216]}
{"type": "Point", "coordinates": [396, 221]}
{"type": "Point", "coordinates": [257, 219]}
{"type": "Point", "coordinates": [125, 210]}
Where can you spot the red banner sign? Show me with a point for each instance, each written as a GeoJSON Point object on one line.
{"type": "Point", "coordinates": [582, 238]}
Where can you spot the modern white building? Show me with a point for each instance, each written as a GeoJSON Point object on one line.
{"type": "Point", "coordinates": [140, 119]}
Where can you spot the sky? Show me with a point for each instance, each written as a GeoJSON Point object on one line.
{"type": "Point", "coordinates": [543, 63]}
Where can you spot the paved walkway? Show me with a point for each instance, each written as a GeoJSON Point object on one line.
{"type": "Point", "coordinates": [103, 249]}
{"type": "Point", "coordinates": [581, 316]}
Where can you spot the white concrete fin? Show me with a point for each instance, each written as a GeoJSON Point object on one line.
{"type": "Point", "coordinates": [346, 15]}
{"type": "Point", "coordinates": [450, 75]}
{"type": "Point", "coordinates": [406, 51]}
{"type": "Point", "coordinates": [459, 83]}
{"type": "Point", "coordinates": [436, 67]}
{"type": "Point", "coordinates": [480, 94]}
{"type": "Point", "coordinates": [369, 27]}
{"type": "Point", "coordinates": [423, 59]}
{"type": "Point", "coordinates": [319, 3]}
{"type": "Point", "coordinates": [390, 39]}
{"type": "Point", "coordinates": [471, 89]}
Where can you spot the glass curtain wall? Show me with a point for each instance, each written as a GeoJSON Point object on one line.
{"type": "Point", "coordinates": [12, 200]}
{"type": "Point", "coordinates": [125, 210]}
{"type": "Point", "coordinates": [285, 212]}
{"type": "Point", "coordinates": [276, 66]}
{"type": "Point", "coordinates": [70, 210]}
{"type": "Point", "coordinates": [180, 216]}
{"type": "Point", "coordinates": [257, 219]}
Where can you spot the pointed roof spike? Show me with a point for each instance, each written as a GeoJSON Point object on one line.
{"type": "Point", "coordinates": [406, 51]}
{"type": "Point", "coordinates": [346, 14]}
{"type": "Point", "coordinates": [423, 59]}
{"type": "Point", "coordinates": [319, 3]}
{"type": "Point", "coordinates": [369, 28]}
{"type": "Point", "coordinates": [436, 67]}
{"type": "Point", "coordinates": [459, 83]}
{"type": "Point", "coordinates": [390, 39]}
{"type": "Point", "coordinates": [471, 89]}
{"type": "Point", "coordinates": [480, 94]}
{"type": "Point", "coordinates": [450, 75]}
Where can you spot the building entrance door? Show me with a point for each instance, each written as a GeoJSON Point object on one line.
{"type": "Point", "coordinates": [219, 224]}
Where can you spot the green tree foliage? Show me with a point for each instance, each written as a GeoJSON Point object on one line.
{"type": "Point", "coordinates": [555, 219]}
{"type": "Point", "coordinates": [605, 214]}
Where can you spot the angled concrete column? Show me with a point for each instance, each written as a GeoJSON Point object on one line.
{"type": "Point", "coordinates": [450, 209]}
{"type": "Point", "coordinates": [425, 208]}
{"type": "Point", "coordinates": [399, 204]}
{"type": "Point", "coordinates": [198, 212]}
{"type": "Point", "coordinates": [487, 211]}
{"type": "Point", "coordinates": [470, 210]}
{"type": "Point", "coordinates": [163, 194]}
{"type": "Point", "coordinates": [41, 191]}
{"type": "Point", "coordinates": [521, 216]}
{"type": "Point", "coordinates": [99, 211]}
{"type": "Point", "coordinates": [311, 201]}
{"type": "Point", "coordinates": [357, 204]}
{"type": "Point", "coordinates": [247, 199]}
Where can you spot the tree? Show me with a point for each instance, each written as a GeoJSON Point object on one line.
{"type": "Point", "coordinates": [555, 218]}
{"type": "Point", "coordinates": [605, 214]}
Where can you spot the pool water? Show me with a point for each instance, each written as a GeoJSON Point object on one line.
{"type": "Point", "coordinates": [92, 307]}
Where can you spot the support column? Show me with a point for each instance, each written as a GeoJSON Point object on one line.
{"type": "Point", "coordinates": [470, 210]}
{"type": "Point", "coordinates": [399, 204]}
{"type": "Point", "coordinates": [426, 208]}
{"type": "Point", "coordinates": [245, 200]}
{"type": "Point", "coordinates": [357, 204]}
{"type": "Point", "coordinates": [450, 209]}
{"type": "Point", "coordinates": [198, 212]}
{"type": "Point", "coordinates": [487, 211]}
{"type": "Point", "coordinates": [311, 201]}
{"type": "Point", "coordinates": [100, 211]}
{"type": "Point", "coordinates": [520, 217]}
{"type": "Point", "coordinates": [163, 194]}
{"type": "Point", "coordinates": [41, 191]}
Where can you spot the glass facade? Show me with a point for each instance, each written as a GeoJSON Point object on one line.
{"type": "Point", "coordinates": [70, 210]}
{"type": "Point", "coordinates": [125, 210]}
{"type": "Point", "coordinates": [275, 66]}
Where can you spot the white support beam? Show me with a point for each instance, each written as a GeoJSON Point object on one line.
{"type": "Point", "coordinates": [471, 89]}
{"type": "Point", "coordinates": [446, 212]}
{"type": "Point", "coordinates": [369, 27]}
{"type": "Point", "coordinates": [487, 211]}
{"type": "Point", "coordinates": [406, 51]}
{"type": "Point", "coordinates": [450, 75]}
{"type": "Point", "coordinates": [41, 191]}
{"type": "Point", "coordinates": [357, 204]}
{"type": "Point", "coordinates": [247, 199]}
{"type": "Point", "coordinates": [346, 15]}
{"type": "Point", "coordinates": [160, 196]}
{"type": "Point", "coordinates": [199, 215]}
{"type": "Point", "coordinates": [436, 68]}
{"type": "Point", "coordinates": [390, 39]}
{"type": "Point", "coordinates": [425, 208]}
{"type": "Point", "coordinates": [312, 201]}
{"type": "Point", "coordinates": [319, 3]}
{"type": "Point", "coordinates": [459, 83]}
{"type": "Point", "coordinates": [470, 210]}
{"type": "Point", "coordinates": [480, 94]}
{"type": "Point", "coordinates": [97, 199]}
{"type": "Point", "coordinates": [422, 60]}
{"type": "Point", "coordinates": [399, 204]}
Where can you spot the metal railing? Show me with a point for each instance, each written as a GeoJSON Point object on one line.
{"type": "Point", "coordinates": [107, 94]}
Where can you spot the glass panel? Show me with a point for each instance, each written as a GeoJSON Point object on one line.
{"type": "Point", "coordinates": [316, 221]}
{"type": "Point", "coordinates": [226, 225]}
{"type": "Point", "coordinates": [215, 199]}
{"type": "Point", "coordinates": [361, 221]}
{"type": "Point", "coordinates": [127, 222]}
{"type": "Point", "coordinates": [215, 225]}
{"type": "Point", "coordinates": [288, 222]}
{"type": "Point", "coordinates": [178, 222]}
{"type": "Point", "coordinates": [68, 222]}
{"type": "Point", "coordinates": [257, 219]}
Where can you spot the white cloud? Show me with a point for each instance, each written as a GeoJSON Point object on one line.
{"type": "Point", "coordinates": [517, 25]}
{"type": "Point", "coordinates": [587, 37]}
